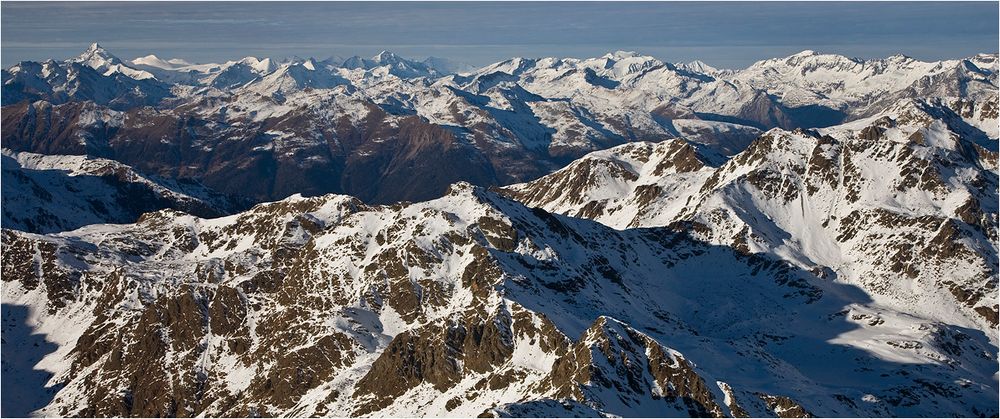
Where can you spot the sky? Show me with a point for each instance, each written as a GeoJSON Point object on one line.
{"type": "Point", "coordinates": [722, 34]}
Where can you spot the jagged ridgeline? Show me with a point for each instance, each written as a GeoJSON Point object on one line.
{"type": "Point", "coordinates": [810, 236]}
{"type": "Point", "coordinates": [468, 304]}
{"type": "Point", "coordinates": [387, 129]}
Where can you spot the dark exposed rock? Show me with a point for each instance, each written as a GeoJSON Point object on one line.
{"type": "Point", "coordinates": [785, 407]}
{"type": "Point", "coordinates": [500, 234]}
{"type": "Point", "coordinates": [301, 370]}
{"type": "Point", "coordinates": [437, 354]}
{"type": "Point", "coordinates": [641, 369]}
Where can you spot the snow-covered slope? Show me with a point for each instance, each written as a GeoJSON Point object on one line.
{"type": "Point", "coordinates": [48, 193]}
{"type": "Point", "coordinates": [902, 204]}
{"type": "Point", "coordinates": [460, 306]}
{"type": "Point", "coordinates": [57, 82]}
{"type": "Point", "coordinates": [811, 78]}
{"type": "Point", "coordinates": [107, 64]}
{"type": "Point", "coordinates": [395, 65]}
{"type": "Point", "coordinates": [623, 186]}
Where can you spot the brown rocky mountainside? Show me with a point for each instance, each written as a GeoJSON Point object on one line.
{"type": "Point", "coordinates": [374, 159]}
{"type": "Point", "coordinates": [465, 305]}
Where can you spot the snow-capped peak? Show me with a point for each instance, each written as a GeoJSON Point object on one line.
{"type": "Point", "coordinates": [263, 65]}
{"type": "Point", "coordinates": [97, 58]}
{"type": "Point", "coordinates": [95, 48]}
{"type": "Point", "coordinates": [620, 55]}
{"type": "Point", "coordinates": [619, 64]}
{"type": "Point", "coordinates": [393, 64]}
{"type": "Point", "coordinates": [987, 62]}
{"type": "Point", "coordinates": [386, 57]}
{"type": "Point", "coordinates": [899, 58]}
{"type": "Point", "coordinates": [698, 66]}
{"type": "Point", "coordinates": [154, 61]}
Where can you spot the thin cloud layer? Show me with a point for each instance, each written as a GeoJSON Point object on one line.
{"type": "Point", "coordinates": [723, 34]}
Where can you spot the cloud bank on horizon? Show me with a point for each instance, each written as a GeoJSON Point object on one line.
{"type": "Point", "coordinates": [731, 35]}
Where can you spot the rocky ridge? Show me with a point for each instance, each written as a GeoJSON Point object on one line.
{"type": "Point", "coordinates": [465, 305]}
{"type": "Point", "coordinates": [902, 204]}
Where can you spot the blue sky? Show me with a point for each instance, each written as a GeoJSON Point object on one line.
{"type": "Point", "coordinates": [722, 34]}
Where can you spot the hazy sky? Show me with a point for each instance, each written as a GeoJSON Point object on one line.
{"type": "Point", "coordinates": [721, 34]}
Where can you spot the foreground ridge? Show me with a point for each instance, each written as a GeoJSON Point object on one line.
{"type": "Point", "coordinates": [463, 305]}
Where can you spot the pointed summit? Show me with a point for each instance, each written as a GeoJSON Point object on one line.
{"type": "Point", "coordinates": [96, 49]}
{"type": "Point", "coordinates": [309, 64]}
{"type": "Point", "coordinates": [385, 56]}
{"type": "Point", "coordinates": [97, 57]}
{"type": "Point", "coordinates": [106, 63]}
{"type": "Point", "coordinates": [394, 64]}
{"type": "Point", "coordinates": [700, 66]}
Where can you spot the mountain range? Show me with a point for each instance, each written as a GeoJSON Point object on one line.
{"type": "Point", "coordinates": [259, 130]}
{"type": "Point", "coordinates": [814, 235]}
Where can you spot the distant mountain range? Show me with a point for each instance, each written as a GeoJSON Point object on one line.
{"type": "Point", "coordinates": [366, 127]}
{"type": "Point", "coordinates": [813, 235]}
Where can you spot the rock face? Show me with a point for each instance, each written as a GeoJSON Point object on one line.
{"type": "Point", "coordinates": [614, 367]}
{"type": "Point", "coordinates": [465, 305]}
